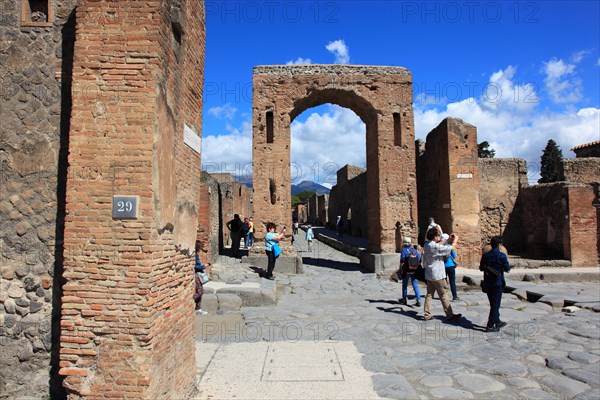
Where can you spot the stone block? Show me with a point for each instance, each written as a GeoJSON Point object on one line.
{"type": "Point", "coordinates": [250, 296]}
{"type": "Point", "coordinates": [210, 303]}
{"type": "Point", "coordinates": [380, 264]}
{"type": "Point", "coordinates": [229, 302]}
{"type": "Point", "coordinates": [284, 264]}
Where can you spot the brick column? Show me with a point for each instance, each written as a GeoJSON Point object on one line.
{"type": "Point", "coordinates": [127, 317]}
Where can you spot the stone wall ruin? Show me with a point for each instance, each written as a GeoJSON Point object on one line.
{"type": "Point", "coordinates": [36, 57]}
{"type": "Point", "coordinates": [381, 97]}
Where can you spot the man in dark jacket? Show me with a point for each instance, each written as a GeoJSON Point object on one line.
{"type": "Point", "coordinates": [493, 264]}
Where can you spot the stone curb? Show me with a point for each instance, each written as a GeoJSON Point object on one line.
{"type": "Point", "coordinates": [528, 292]}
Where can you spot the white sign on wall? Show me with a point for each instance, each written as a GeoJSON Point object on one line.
{"type": "Point", "coordinates": [464, 176]}
{"type": "Point", "coordinates": [192, 139]}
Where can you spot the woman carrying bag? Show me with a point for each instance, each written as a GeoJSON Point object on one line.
{"type": "Point", "coordinates": [272, 248]}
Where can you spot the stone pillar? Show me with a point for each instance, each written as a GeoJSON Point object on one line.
{"type": "Point", "coordinates": [449, 191]}
{"type": "Point", "coordinates": [127, 327]}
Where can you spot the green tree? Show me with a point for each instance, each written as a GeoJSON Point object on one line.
{"type": "Point", "coordinates": [483, 150]}
{"type": "Point", "coordinates": [302, 196]}
{"type": "Point", "coordinates": [550, 167]}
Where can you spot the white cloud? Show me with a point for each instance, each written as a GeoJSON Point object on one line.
{"type": "Point", "coordinates": [312, 157]}
{"type": "Point", "coordinates": [299, 61]}
{"type": "Point", "coordinates": [579, 56]}
{"type": "Point", "coordinates": [340, 50]}
{"type": "Point", "coordinates": [227, 111]}
{"type": "Point", "coordinates": [230, 152]}
{"type": "Point", "coordinates": [513, 133]}
{"type": "Point", "coordinates": [561, 84]}
{"type": "Point", "coordinates": [502, 93]}
{"type": "Point", "coordinates": [598, 63]}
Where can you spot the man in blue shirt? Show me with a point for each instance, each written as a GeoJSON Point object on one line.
{"type": "Point", "coordinates": [494, 263]}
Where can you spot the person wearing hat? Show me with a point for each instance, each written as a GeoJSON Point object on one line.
{"type": "Point", "coordinates": [435, 274]}
{"type": "Point", "coordinates": [408, 252]}
{"type": "Point", "coordinates": [450, 265]}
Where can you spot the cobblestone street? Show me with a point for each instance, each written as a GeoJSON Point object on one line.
{"type": "Point", "coordinates": [543, 353]}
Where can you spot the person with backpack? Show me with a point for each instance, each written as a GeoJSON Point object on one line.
{"type": "Point", "coordinates": [410, 259]}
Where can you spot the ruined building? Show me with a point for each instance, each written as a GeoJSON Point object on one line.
{"type": "Point", "coordinates": [480, 198]}
{"type": "Point", "coordinates": [100, 175]}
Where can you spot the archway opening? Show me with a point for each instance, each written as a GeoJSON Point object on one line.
{"type": "Point", "coordinates": [328, 163]}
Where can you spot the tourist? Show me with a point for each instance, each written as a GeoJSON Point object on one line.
{"type": "Point", "coordinates": [295, 227]}
{"type": "Point", "coordinates": [410, 258]}
{"type": "Point", "coordinates": [251, 233]}
{"type": "Point", "coordinates": [339, 226]}
{"type": "Point", "coordinates": [245, 231]}
{"type": "Point", "coordinates": [199, 286]}
{"type": "Point", "coordinates": [235, 229]}
{"type": "Point", "coordinates": [451, 266]}
{"type": "Point", "coordinates": [309, 236]}
{"type": "Point", "coordinates": [433, 225]}
{"type": "Point", "coordinates": [493, 264]}
{"type": "Point", "coordinates": [435, 274]}
{"type": "Point", "coordinates": [272, 238]}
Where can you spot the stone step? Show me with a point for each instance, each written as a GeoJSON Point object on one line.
{"type": "Point", "coordinates": [234, 285]}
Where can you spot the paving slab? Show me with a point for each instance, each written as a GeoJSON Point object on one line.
{"type": "Point", "coordinates": [301, 370]}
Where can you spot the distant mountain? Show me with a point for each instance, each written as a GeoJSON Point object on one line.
{"type": "Point", "coordinates": [244, 179]}
{"type": "Point", "coordinates": [311, 186]}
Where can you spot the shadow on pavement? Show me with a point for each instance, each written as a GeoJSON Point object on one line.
{"type": "Point", "coordinates": [399, 310]}
{"type": "Point", "coordinates": [338, 265]}
{"type": "Point", "coordinates": [261, 272]}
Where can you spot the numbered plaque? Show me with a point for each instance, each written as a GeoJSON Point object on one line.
{"type": "Point", "coordinates": [125, 207]}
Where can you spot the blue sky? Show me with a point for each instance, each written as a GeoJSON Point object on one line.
{"type": "Point", "coordinates": [522, 72]}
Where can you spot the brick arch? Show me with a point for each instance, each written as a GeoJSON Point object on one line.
{"type": "Point", "coordinates": [381, 97]}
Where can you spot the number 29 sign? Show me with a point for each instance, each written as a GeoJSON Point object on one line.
{"type": "Point", "coordinates": [125, 207]}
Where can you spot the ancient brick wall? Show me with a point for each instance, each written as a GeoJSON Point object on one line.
{"type": "Point", "coordinates": [322, 209]}
{"type": "Point", "coordinates": [500, 182]}
{"type": "Point", "coordinates": [451, 185]}
{"type": "Point", "coordinates": [582, 226]}
{"type": "Point", "coordinates": [209, 226]}
{"type": "Point", "coordinates": [234, 198]}
{"type": "Point", "coordinates": [559, 222]}
{"type": "Point", "coordinates": [302, 213]}
{"type": "Point", "coordinates": [581, 170]}
{"type": "Point", "coordinates": [433, 182]}
{"type": "Point", "coordinates": [312, 209]}
{"type": "Point", "coordinates": [543, 227]}
{"type": "Point", "coordinates": [35, 105]}
{"type": "Point", "coordinates": [347, 199]}
{"type": "Point", "coordinates": [381, 97]}
{"type": "Point", "coordinates": [127, 310]}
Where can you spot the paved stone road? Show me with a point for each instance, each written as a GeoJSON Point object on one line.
{"type": "Point", "coordinates": [541, 354]}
